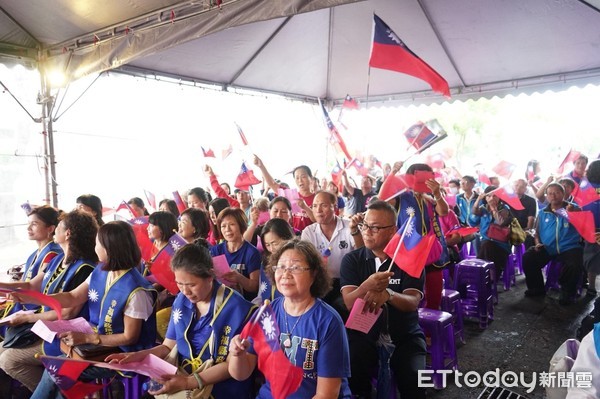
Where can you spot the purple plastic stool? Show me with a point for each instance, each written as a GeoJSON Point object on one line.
{"type": "Point", "coordinates": [553, 274]}
{"type": "Point", "coordinates": [438, 326]}
{"type": "Point", "coordinates": [451, 303]}
{"type": "Point", "coordinates": [132, 386]}
{"type": "Point", "coordinates": [473, 279]}
{"type": "Point", "coordinates": [518, 251]}
{"type": "Point", "coordinates": [508, 276]}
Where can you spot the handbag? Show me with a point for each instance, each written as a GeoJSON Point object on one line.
{"type": "Point", "coordinates": [517, 234]}
{"type": "Point", "coordinates": [20, 336]}
{"type": "Point", "coordinates": [498, 233]}
{"type": "Point", "coordinates": [203, 393]}
{"type": "Point", "coordinates": [90, 352]}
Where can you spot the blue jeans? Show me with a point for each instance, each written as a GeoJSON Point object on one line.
{"type": "Point", "coordinates": [47, 389]}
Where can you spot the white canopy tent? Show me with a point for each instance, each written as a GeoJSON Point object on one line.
{"type": "Point", "coordinates": [313, 48]}
{"type": "Point", "coordinates": [308, 49]}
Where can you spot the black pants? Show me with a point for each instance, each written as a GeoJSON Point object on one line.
{"type": "Point", "coordinates": [408, 358]}
{"type": "Point", "coordinates": [570, 273]}
{"type": "Point", "coordinates": [493, 252]}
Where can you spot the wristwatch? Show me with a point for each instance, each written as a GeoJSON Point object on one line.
{"type": "Point", "coordinates": [391, 293]}
{"type": "Point", "coordinates": [355, 232]}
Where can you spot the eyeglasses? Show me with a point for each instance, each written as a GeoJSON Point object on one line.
{"type": "Point", "coordinates": [375, 229]}
{"type": "Point", "coordinates": [295, 269]}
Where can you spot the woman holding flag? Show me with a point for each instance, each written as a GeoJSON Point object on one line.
{"type": "Point", "coordinates": [491, 216]}
{"type": "Point", "coordinates": [426, 209]}
{"type": "Point", "coordinates": [75, 233]}
{"type": "Point", "coordinates": [121, 303]}
{"type": "Point", "coordinates": [311, 334]}
{"type": "Point", "coordinates": [205, 316]}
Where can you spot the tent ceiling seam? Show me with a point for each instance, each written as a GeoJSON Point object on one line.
{"type": "Point", "coordinates": [260, 50]}
{"type": "Point", "coordinates": [329, 51]}
{"type": "Point", "coordinates": [14, 21]}
{"type": "Point", "coordinates": [149, 20]}
{"type": "Point", "coordinates": [441, 41]}
{"type": "Point", "coordinates": [590, 5]}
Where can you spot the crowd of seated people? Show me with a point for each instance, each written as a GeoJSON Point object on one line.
{"type": "Point", "coordinates": [313, 256]}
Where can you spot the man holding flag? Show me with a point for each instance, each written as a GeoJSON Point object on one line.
{"type": "Point", "coordinates": [366, 274]}
{"type": "Point", "coordinates": [555, 239]}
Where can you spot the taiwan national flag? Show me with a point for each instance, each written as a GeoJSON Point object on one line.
{"type": "Point", "coordinates": [504, 169]}
{"type": "Point", "coordinates": [350, 102]}
{"type": "Point", "coordinates": [392, 186]}
{"type": "Point", "coordinates": [336, 176]}
{"type": "Point", "coordinates": [140, 230]}
{"type": "Point", "coordinates": [419, 136]}
{"type": "Point", "coordinates": [65, 372]}
{"type": "Point", "coordinates": [508, 195]}
{"type": "Point", "coordinates": [358, 166]}
{"type": "Point", "coordinates": [208, 153]}
{"type": "Point", "coordinates": [582, 221]}
{"type": "Point", "coordinates": [410, 253]}
{"type": "Point", "coordinates": [246, 178]}
{"type": "Point", "coordinates": [571, 157]}
{"type": "Point", "coordinates": [161, 266]}
{"type": "Point", "coordinates": [181, 205]}
{"type": "Point", "coordinates": [284, 377]}
{"type": "Point", "coordinates": [389, 52]}
{"type": "Point", "coordinates": [584, 193]}
{"type": "Point", "coordinates": [335, 137]}
{"type": "Point", "coordinates": [242, 135]}
{"type": "Point", "coordinates": [124, 205]}
{"type": "Point", "coordinates": [151, 199]}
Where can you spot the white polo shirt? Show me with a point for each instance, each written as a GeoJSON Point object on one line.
{"type": "Point", "coordinates": [341, 243]}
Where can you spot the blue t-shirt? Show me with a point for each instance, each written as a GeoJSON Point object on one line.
{"type": "Point", "coordinates": [245, 260]}
{"type": "Point", "coordinates": [319, 347]}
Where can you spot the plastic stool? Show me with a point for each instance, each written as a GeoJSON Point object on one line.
{"type": "Point", "coordinates": [508, 276]}
{"type": "Point", "coordinates": [438, 326]}
{"type": "Point", "coordinates": [451, 303]}
{"type": "Point", "coordinates": [518, 251]}
{"type": "Point", "coordinates": [132, 386]}
{"type": "Point", "coordinates": [473, 280]}
{"type": "Point", "coordinates": [552, 269]}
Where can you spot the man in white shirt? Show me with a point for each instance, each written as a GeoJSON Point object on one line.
{"type": "Point", "coordinates": [333, 237]}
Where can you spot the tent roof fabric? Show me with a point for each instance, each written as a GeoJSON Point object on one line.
{"type": "Point", "coordinates": [314, 48]}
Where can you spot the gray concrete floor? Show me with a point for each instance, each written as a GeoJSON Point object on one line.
{"type": "Point", "coordinates": [523, 337]}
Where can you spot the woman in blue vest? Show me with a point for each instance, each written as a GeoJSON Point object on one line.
{"type": "Point", "coordinates": [121, 303]}
{"type": "Point", "coordinates": [494, 212]}
{"type": "Point", "coordinates": [42, 222]}
{"type": "Point", "coordinates": [426, 209]}
{"type": "Point", "coordinates": [205, 316]}
{"type": "Point", "coordinates": [75, 234]}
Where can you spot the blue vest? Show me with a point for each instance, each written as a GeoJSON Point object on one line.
{"type": "Point", "coordinates": [107, 306]}
{"type": "Point", "coordinates": [556, 233]}
{"type": "Point", "coordinates": [55, 279]}
{"type": "Point", "coordinates": [32, 266]}
{"type": "Point", "coordinates": [228, 320]}
{"type": "Point", "coordinates": [423, 222]}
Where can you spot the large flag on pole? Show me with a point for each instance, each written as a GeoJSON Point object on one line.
{"type": "Point", "coordinates": [389, 52]}
{"type": "Point", "coordinates": [335, 137]}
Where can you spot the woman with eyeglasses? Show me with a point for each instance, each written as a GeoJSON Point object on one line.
{"type": "Point", "coordinates": [205, 316]}
{"type": "Point", "coordinates": [312, 334]}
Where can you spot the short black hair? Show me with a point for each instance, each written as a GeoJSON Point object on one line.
{"type": "Point", "coordinates": [122, 250]}
{"type": "Point", "coordinates": [93, 202]}
{"type": "Point", "coordinates": [193, 259]}
{"type": "Point", "coordinates": [306, 169]}
{"type": "Point", "coordinates": [166, 222]}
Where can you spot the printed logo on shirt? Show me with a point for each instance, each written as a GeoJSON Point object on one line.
{"type": "Point", "coordinates": [343, 244]}
{"type": "Point", "coordinates": [239, 267]}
